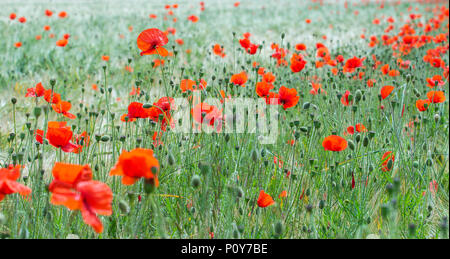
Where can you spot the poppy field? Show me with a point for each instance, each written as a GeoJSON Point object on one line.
{"type": "Point", "coordinates": [221, 119]}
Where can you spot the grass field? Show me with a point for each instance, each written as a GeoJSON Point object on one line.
{"type": "Point", "coordinates": [360, 101]}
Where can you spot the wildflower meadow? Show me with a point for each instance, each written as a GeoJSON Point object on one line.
{"type": "Point", "coordinates": [218, 119]}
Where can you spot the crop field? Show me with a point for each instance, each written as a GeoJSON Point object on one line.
{"type": "Point", "coordinates": [217, 119]}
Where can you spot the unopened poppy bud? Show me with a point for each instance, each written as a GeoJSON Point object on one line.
{"type": "Point", "coordinates": [358, 95]}
{"type": "Point", "coordinates": [122, 138]}
{"type": "Point", "coordinates": [170, 159]}
{"type": "Point", "coordinates": [437, 117]}
{"type": "Point", "coordinates": [227, 137]}
{"type": "Point", "coordinates": [412, 229]}
{"type": "Point", "coordinates": [317, 124]}
{"type": "Point", "coordinates": [371, 134]}
{"type": "Point", "coordinates": [384, 210]}
{"type": "Point", "coordinates": [14, 100]}
{"type": "Point", "coordinates": [124, 207]}
{"type": "Point", "coordinates": [365, 141]}
{"type": "Point", "coordinates": [45, 108]}
{"type": "Point", "coordinates": [52, 82]}
{"type": "Point", "coordinates": [204, 168]}
{"type": "Point", "coordinates": [303, 129]}
{"type": "Point", "coordinates": [306, 105]}
{"type": "Point", "coordinates": [97, 137]}
{"type": "Point", "coordinates": [358, 138]}
{"type": "Point", "coordinates": [390, 164]}
{"type": "Point", "coordinates": [147, 105]}
{"type": "Point", "coordinates": [254, 155]}
{"type": "Point", "coordinates": [37, 111]}
{"type": "Point", "coordinates": [2, 219]}
{"type": "Point", "coordinates": [429, 162]}
{"type": "Point", "coordinates": [149, 186]}
{"type": "Point", "coordinates": [297, 135]}
{"type": "Point", "coordinates": [321, 204]}
{"type": "Point", "coordinates": [416, 164]}
{"type": "Point", "coordinates": [278, 228]}
{"type": "Point", "coordinates": [236, 234]}
{"type": "Point", "coordinates": [390, 188]}
{"type": "Point", "coordinates": [351, 145]}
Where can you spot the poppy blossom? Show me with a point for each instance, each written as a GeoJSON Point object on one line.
{"type": "Point", "coordinates": [12, 16]}
{"type": "Point", "coordinates": [209, 114]}
{"type": "Point", "coordinates": [48, 13]}
{"type": "Point", "coordinates": [218, 50]}
{"type": "Point", "coordinates": [264, 200]}
{"type": "Point", "coordinates": [436, 96]}
{"type": "Point", "coordinates": [334, 143]}
{"type": "Point", "coordinates": [63, 107]}
{"type": "Point", "coordinates": [18, 44]}
{"type": "Point", "coordinates": [9, 184]}
{"type": "Point", "coordinates": [288, 97]}
{"type": "Point", "coordinates": [345, 99]}
{"type": "Point", "coordinates": [239, 79]}
{"type": "Point", "coordinates": [36, 91]}
{"type": "Point", "coordinates": [62, 42]}
{"type": "Point", "coordinates": [300, 47]}
{"type": "Point", "coordinates": [353, 63]}
{"type": "Point", "coordinates": [52, 97]}
{"type": "Point", "coordinates": [193, 18]}
{"type": "Point", "coordinates": [73, 188]}
{"type": "Point", "coordinates": [385, 160]}
{"type": "Point", "coordinates": [135, 164]}
{"type": "Point", "coordinates": [151, 41]}
{"type": "Point", "coordinates": [81, 140]}
{"type": "Point", "coordinates": [59, 135]}
{"type": "Point", "coordinates": [386, 91]}
{"type": "Point", "coordinates": [105, 58]}
{"type": "Point", "coordinates": [62, 14]}
{"type": "Point", "coordinates": [297, 63]}
{"type": "Point", "coordinates": [422, 105]}
{"type": "Point", "coordinates": [436, 80]}
{"type": "Point", "coordinates": [22, 19]}
{"type": "Point", "coordinates": [263, 88]}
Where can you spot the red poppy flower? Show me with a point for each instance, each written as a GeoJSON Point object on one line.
{"type": "Point", "coordinates": [436, 96]}
{"type": "Point", "coordinates": [52, 97]}
{"type": "Point", "coordinates": [344, 99]}
{"type": "Point", "coordinates": [193, 18]}
{"type": "Point", "coordinates": [151, 41]}
{"type": "Point", "coordinates": [48, 13]}
{"type": "Point", "coordinates": [209, 114]}
{"type": "Point", "coordinates": [264, 200]}
{"type": "Point", "coordinates": [12, 16]}
{"type": "Point", "coordinates": [36, 91]}
{"type": "Point", "coordinates": [353, 63]}
{"type": "Point", "coordinates": [64, 108]}
{"type": "Point", "coordinates": [136, 164]}
{"type": "Point", "coordinates": [218, 50]}
{"type": "Point", "coordinates": [62, 42]}
{"type": "Point", "coordinates": [334, 143]}
{"type": "Point", "coordinates": [386, 91]}
{"type": "Point", "coordinates": [73, 188]}
{"type": "Point", "coordinates": [422, 105]}
{"type": "Point", "coordinates": [297, 63]}
{"type": "Point", "coordinates": [22, 19]}
{"type": "Point", "coordinates": [9, 184]}
{"type": "Point", "coordinates": [263, 88]}
{"type": "Point", "coordinates": [59, 135]}
{"type": "Point", "coordinates": [239, 79]}
{"type": "Point", "coordinates": [288, 97]}
{"type": "Point", "coordinates": [385, 159]}
{"type": "Point", "coordinates": [62, 14]}
{"type": "Point", "coordinates": [18, 44]}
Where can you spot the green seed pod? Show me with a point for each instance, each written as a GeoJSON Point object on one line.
{"type": "Point", "coordinates": [416, 164]}
{"type": "Point", "coordinates": [2, 219]}
{"type": "Point", "coordinates": [358, 138]}
{"type": "Point", "coordinates": [384, 210]}
{"type": "Point", "coordinates": [306, 105]}
{"type": "Point", "coordinates": [371, 134]}
{"type": "Point", "coordinates": [365, 141]}
{"type": "Point", "coordinates": [278, 228]}
{"type": "Point", "coordinates": [254, 155]}
{"type": "Point", "coordinates": [124, 207]}
{"type": "Point", "coordinates": [37, 111]}
{"type": "Point", "coordinates": [429, 162]}
{"type": "Point", "coordinates": [147, 105]}
{"type": "Point", "coordinates": [104, 138]}
{"type": "Point", "coordinates": [13, 100]}
{"type": "Point", "coordinates": [321, 204]}
{"type": "Point", "coordinates": [358, 95]}
{"type": "Point", "coordinates": [390, 164]}
{"type": "Point", "coordinates": [195, 181]}
{"type": "Point", "coordinates": [170, 159]}
{"type": "Point", "coordinates": [351, 145]}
